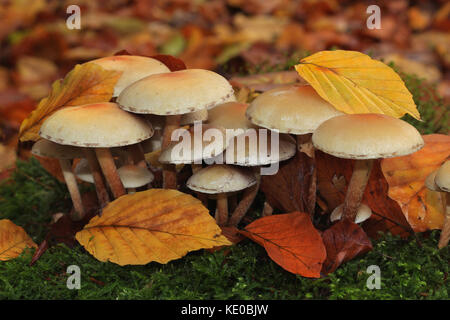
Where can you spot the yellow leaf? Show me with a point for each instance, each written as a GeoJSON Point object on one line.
{"type": "Point", "coordinates": [87, 83]}
{"type": "Point", "coordinates": [13, 240]}
{"type": "Point", "coordinates": [154, 225]}
{"type": "Point", "coordinates": [354, 83]}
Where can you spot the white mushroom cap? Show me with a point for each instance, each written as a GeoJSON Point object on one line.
{"type": "Point", "coordinates": [221, 178]}
{"type": "Point", "coordinates": [98, 125]}
{"type": "Point", "coordinates": [207, 149]}
{"type": "Point", "coordinates": [249, 156]}
{"type": "Point", "coordinates": [362, 215]}
{"type": "Point", "coordinates": [49, 149]}
{"type": "Point", "coordinates": [295, 109]}
{"type": "Point", "coordinates": [429, 182]}
{"type": "Point", "coordinates": [443, 177]}
{"type": "Point", "coordinates": [133, 69]}
{"type": "Point", "coordinates": [176, 92]}
{"type": "Point", "coordinates": [134, 176]}
{"type": "Point", "coordinates": [230, 115]}
{"type": "Point", "coordinates": [367, 136]}
{"type": "Point", "coordinates": [131, 176]}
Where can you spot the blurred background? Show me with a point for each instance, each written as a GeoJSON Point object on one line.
{"type": "Point", "coordinates": [234, 37]}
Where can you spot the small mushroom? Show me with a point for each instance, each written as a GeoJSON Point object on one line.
{"type": "Point", "coordinates": [97, 127]}
{"type": "Point", "coordinates": [364, 137]}
{"type": "Point", "coordinates": [293, 109]}
{"type": "Point", "coordinates": [221, 180]}
{"type": "Point", "coordinates": [172, 95]}
{"type": "Point", "coordinates": [362, 214]}
{"type": "Point", "coordinates": [442, 180]}
{"type": "Point", "coordinates": [49, 149]}
{"type": "Point", "coordinates": [132, 176]}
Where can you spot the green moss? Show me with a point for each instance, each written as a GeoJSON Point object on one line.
{"type": "Point", "coordinates": [408, 270]}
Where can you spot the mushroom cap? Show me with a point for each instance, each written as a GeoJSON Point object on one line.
{"type": "Point", "coordinates": [98, 125]}
{"type": "Point", "coordinates": [443, 177]}
{"type": "Point", "coordinates": [177, 92]}
{"type": "Point", "coordinates": [296, 109]}
{"type": "Point", "coordinates": [362, 214]}
{"type": "Point", "coordinates": [366, 136]}
{"type": "Point", "coordinates": [134, 176]}
{"type": "Point", "coordinates": [131, 176]}
{"type": "Point", "coordinates": [208, 150]}
{"type": "Point", "coordinates": [430, 183]}
{"type": "Point", "coordinates": [49, 149]}
{"type": "Point", "coordinates": [230, 115]}
{"type": "Point", "coordinates": [221, 178]}
{"type": "Point", "coordinates": [134, 68]}
{"type": "Point", "coordinates": [249, 156]}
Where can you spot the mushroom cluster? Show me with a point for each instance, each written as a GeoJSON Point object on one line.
{"type": "Point", "coordinates": [192, 119]}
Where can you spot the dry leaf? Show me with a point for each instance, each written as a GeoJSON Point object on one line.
{"type": "Point", "coordinates": [13, 240]}
{"type": "Point", "coordinates": [291, 241]}
{"type": "Point", "coordinates": [354, 83]}
{"type": "Point", "coordinates": [88, 83]}
{"type": "Point", "coordinates": [406, 176]}
{"type": "Point", "coordinates": [344, 241]}
{"type": "Point", "coordinates": [288, 189]}
{"type": "Point", "coordinates": [154, 225]}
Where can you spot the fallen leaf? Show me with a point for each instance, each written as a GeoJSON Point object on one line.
{"type": "Point", "coordinates": [333, 175]}
{"type": "Point", "coordinates": [344, 241]}
{"type": "Point", "coordinates": [288, 189]}
{"type": "Point", "coordinates": [88, 83]}
{"type": "Point", "coordinates": [354, 83]}
{"type": "Point", "coordinates": [13, 240]}
{"type": "Point", "coordinates": [154, 225]}
{"type": "Point", "coordinates": [291, 241]}
{"type": "Point", "coordinates": [406, 176]}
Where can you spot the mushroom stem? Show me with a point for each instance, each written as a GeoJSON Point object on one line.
{"type": "Point", "coordinates": [222, 209]}
{"type": "Point", "coordinates": [72, 186]}
{"type": "Point", "coordinates": [304, 144]}
{"type": "Point", "coordinates": [445, 232]}
{"type": "Point", "coordinates": [356, 187]}
{"type": "Point", "coordinates": [245, 203]}
{"type": "Point", "coordinates": [169, 171]}
{"type": "Point", "coordinates": [102, 193]}
{"type": "Point", "coordinates": [137, 155]}
{"type": "Point", "coordinates": [267, 210]}
{"type": "Point", "coordinates": [109, 170]}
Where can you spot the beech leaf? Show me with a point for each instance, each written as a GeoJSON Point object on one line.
{"type": "Point", "coordinates": [13, 240]}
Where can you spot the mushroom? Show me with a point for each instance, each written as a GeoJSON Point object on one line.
{"type": "Point", "coordinates": [99, 126]}
{"type": "Point", "coordinates": [362, 214]}
{"type": "Point", "coordinates": [221, 180]}
{"type": "Point", "coordinates": [133, 69]}
{"type": "Point", "coordinates": [364, 137]}
{"type": "Point", "coordinates": [250, 157]}
{"type": "Point", "coordinates": [293, 109]}
{"type": "Point", "coordinates": [172, 95]}
{"type": "Point", "coordinates": [132, 176]}
{"type": "Point", "coordinates": [49, 149]}
{"type": "Point", "coordinates": [442, 180]}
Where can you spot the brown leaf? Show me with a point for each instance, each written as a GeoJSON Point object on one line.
{"type": "Point", "coordinates": [288, 189]}
{"type": "Point", "coordinates": [291, 241]}
{"type": "Point", "coordinates": [343, 241]}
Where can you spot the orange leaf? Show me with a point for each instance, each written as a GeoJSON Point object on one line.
{"type": "Point", "coordinates": [344, 241]}
{"type": "Point", "coordinates": [291, 241]}
{"type": "Point", "coordinates": [87, 83]}
{"type": "Point", "coordinates": [13, 240]}
{"type": "Point", "coordinates": [154, 225]}
{"type": "Point", "coordinates": [423, 208]}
